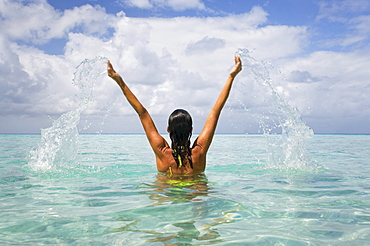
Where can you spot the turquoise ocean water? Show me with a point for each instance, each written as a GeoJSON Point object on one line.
{"type": "Point", "coordinates": [292, 188]}
{"type": "Point", "coordinates": [111, 194]}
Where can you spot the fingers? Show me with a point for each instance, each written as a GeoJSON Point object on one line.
{"type": "Point", "coordinates": [238, 66]}
{"type": "Point", "coordinates": [109, 64]}
{"type": "Point", "coordinates": [237, 60]}
{"type": "Point", "coordinates": [238, 63]}
{"type": "Point", "coordinates": [110, 68]}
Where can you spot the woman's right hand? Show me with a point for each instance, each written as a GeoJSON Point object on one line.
{"type": "Point", "coordinates": [237, 68]}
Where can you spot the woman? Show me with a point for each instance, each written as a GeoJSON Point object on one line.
{"type": "Point", "coordinates": [180, 157]}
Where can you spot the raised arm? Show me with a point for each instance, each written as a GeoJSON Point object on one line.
{"type": "Point", "coordinates": [157, 142]}
{"type": "Point", "coordinates": [205, 137]}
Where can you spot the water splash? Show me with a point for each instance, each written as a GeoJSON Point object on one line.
{"type": "Point", "coordinates": [58, 146]}
{"type": "Point", "coordinates": [287, 151]}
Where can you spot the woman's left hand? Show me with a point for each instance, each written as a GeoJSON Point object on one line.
{"type": "Point", "coordinates": [111, 72]}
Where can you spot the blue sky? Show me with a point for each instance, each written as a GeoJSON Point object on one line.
{"type": "Point", "coordinates": [284, 12]}
{"type": "Point", "coordinates": [321, 47]}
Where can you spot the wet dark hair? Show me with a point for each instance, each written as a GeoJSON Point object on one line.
{"type": "Point", "coordinates": [180, 126]}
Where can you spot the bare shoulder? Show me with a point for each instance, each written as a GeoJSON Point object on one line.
{"type": "Point", "coordinates": [198, 147]}
{"type": "Point", "coordinates": [165, 159]}
{"type": "Point", "coordinates": [198, 156]}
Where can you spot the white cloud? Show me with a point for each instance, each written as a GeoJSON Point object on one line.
{"type": "Point", "coordinates": [360, 30]}
{"type": "Point", "coordinates": [339, 86]}
{"type": "Point", "coordinates": [151, 54]}
{"type": "Point", "coordinates": [34, 83]}
{"type": "Point", "coordinates": [350, 16]}
{"type": "Point", "coordinates": [143, 4]}
{"type": "Point", "coordinates": [171, 63]}
{"type": "Point", "coordinates": [206, 45]}
{"type": "Point", "coordinates": [340, 10]}
{"type": "Point", "coordinates": [185, 4]}
{"type": "Point", "coordinates": [40, 22]}
{"type": "Point", "coordinates": [362, 24]}
{"type": "Point", "coordinates": [34, 22]}
{"type": "Point", "coordinates": [177, 5]}
{"type": "Point", "coordinates": [301, 77]}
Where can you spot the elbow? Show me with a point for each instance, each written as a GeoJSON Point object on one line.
{"type": "Point", "coordinates": [142, 112]}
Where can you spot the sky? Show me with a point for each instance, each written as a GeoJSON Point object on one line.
{"type": "Point", "coordinates": [177, 54]}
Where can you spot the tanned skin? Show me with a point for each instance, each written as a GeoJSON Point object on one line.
{"type": "Point", "coordinates": [163, 152]}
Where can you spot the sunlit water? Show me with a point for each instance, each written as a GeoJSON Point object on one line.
{"type": "Point", "coordinates": [114, 195]}
{"type": "Point", "coordinates": [293, 188]}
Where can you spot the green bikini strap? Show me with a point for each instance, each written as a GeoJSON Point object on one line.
{"type": "Point", "coordinates": [170, 171]}
{"type": "Point", "coordinates": [179, 156]}
{"type": "Point", "coordinates": [180, 162]}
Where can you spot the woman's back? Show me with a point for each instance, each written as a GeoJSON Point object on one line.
{"type": "Point", "coordinates": [179, 157]}
{"type": "Point", "coordinates": [167, 163]}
